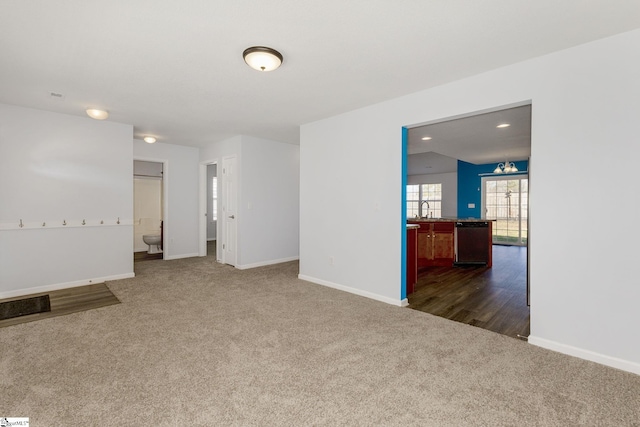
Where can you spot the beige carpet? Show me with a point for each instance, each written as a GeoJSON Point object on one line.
{"type": "Point", "coordinates": [194, 343]}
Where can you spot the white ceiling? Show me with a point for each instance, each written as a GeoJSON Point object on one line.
{"type": "Point", "coordinates": [475, 139]}
{"type": "Point", "coordinates": [173, 69]}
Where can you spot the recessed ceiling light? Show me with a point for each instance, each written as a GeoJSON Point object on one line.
{"type": "Point", "coordinates": [149, 139]}
{"type": "Point", "coordinates": [426, 138]}
{"type": "Point", "coordinates": [97, 114]}
{"type": "Point", "coordinates": [503, 125]}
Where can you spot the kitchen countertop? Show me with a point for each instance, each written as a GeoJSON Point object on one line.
{"type": "Point", "coordinates": [448, 220]}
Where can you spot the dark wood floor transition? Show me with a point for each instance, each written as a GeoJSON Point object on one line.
{"type": "Point", "coordinates": [489, 298]}
{"type": "Point", "coordinates": [67, 301]}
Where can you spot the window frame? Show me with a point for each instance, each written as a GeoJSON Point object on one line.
{"type": "Point", "coordinates": [214, 199]}
{"type": "Point", "coordinates": [434, 203]}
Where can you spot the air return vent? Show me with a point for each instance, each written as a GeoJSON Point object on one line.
{"type": "Point", "coordinates": [24, 307]}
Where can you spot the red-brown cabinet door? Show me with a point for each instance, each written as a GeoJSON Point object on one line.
{"type": "Point", "coordinates": [412, 260]}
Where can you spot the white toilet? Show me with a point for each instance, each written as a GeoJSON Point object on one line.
{"type": "Point", "coordinates": [154, 241]}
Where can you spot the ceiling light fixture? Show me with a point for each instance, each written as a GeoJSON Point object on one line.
{"type": "Point", "coordinates": [426, 138]}
{"type": "Point", "coordinates": [506, 167]}
{"type": "Point", "coordinates": [149, 139]}
{"type": "Point", "coordinates": [97, 114]}
{"type": "Point", "coordinates": [503, 125]}
{"type": "Point", "coordinates": [262, 58]}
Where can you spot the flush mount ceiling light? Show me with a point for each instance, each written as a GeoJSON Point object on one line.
{"type": "Point", "coordinates": [503, 125]}
{"type": "Point", "coordinates": [506, 167]}
{"type": "Point", "coordinates": [426, 138]}
{"type": "Point", "coordinates": [262, 58]}
{"type": "Point", "coordinates": [97, 114]}
{"type": "Point", "coordinates": [149, 139]}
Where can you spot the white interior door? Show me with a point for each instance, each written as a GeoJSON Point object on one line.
{"type": "Point", "coordinates": [229, 210]}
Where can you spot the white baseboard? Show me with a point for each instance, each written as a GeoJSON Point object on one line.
{"type": "Point", "coordinates": [66, 285]}
{"type": "Point", "coordinates": [614, 362]}
{"type": "Point", "coordinates": [360, 292]}
{"type": "Point", "coordinates": [263, 263]}
{"type": "Point", "coordinates": [180, 256]}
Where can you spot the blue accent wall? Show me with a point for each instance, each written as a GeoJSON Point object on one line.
{"type": "Point", "coordinates": [403, 216]}
{"type": "Point", "coordinates": [469, 186]}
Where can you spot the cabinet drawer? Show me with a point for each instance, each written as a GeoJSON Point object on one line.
{"type": "Point", "coordinates": [445, 227]}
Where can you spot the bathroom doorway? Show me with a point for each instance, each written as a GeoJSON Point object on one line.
{"type": "Point", "coordinates": [148, 224]}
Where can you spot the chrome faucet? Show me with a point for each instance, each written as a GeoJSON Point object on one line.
{"type": "Point", "coordinates": [422, 204]}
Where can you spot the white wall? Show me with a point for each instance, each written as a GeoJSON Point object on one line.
{"type": "Point", "coordinates": [449, 183]}
{"type": "Point", "coordinates": [268, 198]}
{"type": "Point", "coordinates": [55, 168]}
{"type": "Point", "coordinates": [269, 207]}
{"type": "Point", "coordinates": [585, 109]}
{"type": "Point", "coordinates": [180, 181]}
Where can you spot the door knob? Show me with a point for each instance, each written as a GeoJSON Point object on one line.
{"type": "Point", "coordinates": [232, 216]}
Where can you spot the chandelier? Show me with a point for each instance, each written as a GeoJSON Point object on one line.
{"type": "Point", "coordinates": [506, 167]}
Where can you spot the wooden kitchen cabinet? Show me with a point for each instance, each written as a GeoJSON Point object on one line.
{"type": "Point", "coordinates": [436, 244]}
{"type": "Point", "coordinates": [412, 257]}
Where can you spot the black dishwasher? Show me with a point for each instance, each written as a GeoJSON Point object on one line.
{"type": "Point", "coordinates": [472, 243]}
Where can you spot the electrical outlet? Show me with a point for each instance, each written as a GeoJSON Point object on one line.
{"type": "Point", "coordinates": [331, 260]}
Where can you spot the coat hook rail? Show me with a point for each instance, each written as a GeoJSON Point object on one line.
{"type": "Point", "coordinates": [22, 224]}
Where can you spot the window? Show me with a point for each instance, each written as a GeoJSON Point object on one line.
{"type": "Point", "coordinates": [413, 200]}
{"type": "Point", "coordinates": [214, 196]}
{"type": "Point", "coordinates": [505, 201]}
{"type": "Point", "coordinates": [424, 200]}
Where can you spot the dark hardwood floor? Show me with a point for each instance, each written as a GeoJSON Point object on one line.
{"type": "Point", "coordinates": [67, 301]}
{"type": "Point", "coordinates": [489, 298]}
{"type": "Point", "coordinates": [211, 248]}
{"type": "Point", "coordinates": [144, 256]}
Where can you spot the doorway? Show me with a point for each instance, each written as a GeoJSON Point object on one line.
{"type": "Point", "coordinates": [218, 207]}
{"type": "Point", "coordinates": [465, 150]}
{"type": "Point", "coordinates": [209, 225]}
{"type": "Point", "coordinates": [148, 210]}
{"type": "Point", "coordinates": [212, 209]}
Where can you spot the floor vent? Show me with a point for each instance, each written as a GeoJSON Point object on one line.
{"type": "Point", "coordinates": [24, 307]}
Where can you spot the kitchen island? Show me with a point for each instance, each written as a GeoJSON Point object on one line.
{"type": "Point", "coordinates": [453, 241]}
